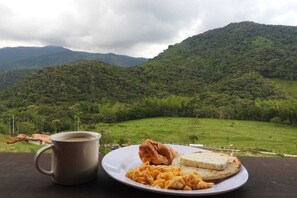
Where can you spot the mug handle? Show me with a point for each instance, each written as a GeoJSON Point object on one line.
{"type": "Point", "coordinates": [36, 160]}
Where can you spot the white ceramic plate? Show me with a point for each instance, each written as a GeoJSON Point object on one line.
{"type": "Point", "coordinates": [118, 162]}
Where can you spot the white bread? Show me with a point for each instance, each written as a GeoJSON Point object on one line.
{"type": "Point", "coordinates": [209, 160]}
{"type": "Point", "coordinates": [210, 175]}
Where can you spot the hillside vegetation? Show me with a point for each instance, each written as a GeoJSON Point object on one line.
{"type": "Point", "coordinates": [238, 48]}
{"type": "Point", "coordinates": [226, 73]}
{"type": "Point", "coordinates": [289, 87]}
{"type": "Point", "coordinates": [12, 77]}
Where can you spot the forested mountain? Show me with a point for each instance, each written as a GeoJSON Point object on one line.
{"type": "Point", "coordinates": [238, 48]}
{"type": "Point", "coordinates": [86, 81]}
{"type": "Point", "coordinates": [222, 73]}
{"type": "Point", "coordinates": [39, 57]}
{"type": "Point", "coordinates": [231, 59]}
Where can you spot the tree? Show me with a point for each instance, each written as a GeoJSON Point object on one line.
{"type": "Point", "coordinates": [3, 128]}
{"type": "Point", "coordinates": [26, 127]}
{"type": "Point", "coordinates": [56, 123]}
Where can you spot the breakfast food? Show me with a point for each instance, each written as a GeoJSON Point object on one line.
{"type": "Point", "coordinates": [163, 168]}
{"type": "Point", "coordinates": [209, 160]}
{"type": "Point", "coordinates": [167, 177]}
{"type": "Point", "coordinates": [156, 152]}
{"type": "Point", "coordinates": [208, 171]}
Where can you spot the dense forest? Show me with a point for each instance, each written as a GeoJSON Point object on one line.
{"type": "Point", "coordinates": [11, 77]}
{"type": "Point", "coordinates": [223, 73]}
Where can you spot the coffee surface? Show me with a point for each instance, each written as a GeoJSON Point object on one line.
{"type": "Point", "coordinates": [78, 138]}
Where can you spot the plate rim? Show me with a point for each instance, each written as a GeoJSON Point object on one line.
{"type": "Point", "coordinates": [203, 192]}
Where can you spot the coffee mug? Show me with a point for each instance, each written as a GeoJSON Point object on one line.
{"type": "Point", "coordinates": [74, 157]}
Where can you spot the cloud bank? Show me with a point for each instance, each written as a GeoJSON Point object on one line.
{"type": "Point", "coordinates": [140, 28]}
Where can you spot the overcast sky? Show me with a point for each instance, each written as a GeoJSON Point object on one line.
{"type": "Point", "coordinates": [140, 28]}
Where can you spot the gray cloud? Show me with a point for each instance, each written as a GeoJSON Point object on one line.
{"type": "Point", "coordinates": [131, 27]}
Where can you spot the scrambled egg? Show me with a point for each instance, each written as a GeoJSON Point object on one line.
{"type": "Point", "coordinates": [167, 177]}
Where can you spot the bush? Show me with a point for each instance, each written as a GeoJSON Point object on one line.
{"type": "Point", "coordinates": [276, 120]}
{"type": "Point", "coordinates": [287, 122]}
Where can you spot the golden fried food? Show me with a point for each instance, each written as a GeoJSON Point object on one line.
{"type": "Point", "coordinates": [156, 152]}
{"type": "Point", "coordinates": [167, 177]}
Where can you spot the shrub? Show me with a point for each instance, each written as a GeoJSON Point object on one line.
{"type": "Point", "coordinates": [276, 120]}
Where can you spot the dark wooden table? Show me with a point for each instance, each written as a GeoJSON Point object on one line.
{"type": "Point", "coordinates": [268, 177]}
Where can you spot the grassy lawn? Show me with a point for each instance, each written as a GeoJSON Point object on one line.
{"type": "Point", "coordinates": [210, 132]}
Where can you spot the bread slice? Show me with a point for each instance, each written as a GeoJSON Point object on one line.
{"type": "Point", "coordinates": [209, 160]}
{"type": "Point", "coordinates": [210, 175]}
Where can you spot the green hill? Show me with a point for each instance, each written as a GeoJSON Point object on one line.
{"type": "Point", "coordinates": [88, 81]}
{"type": "Point", "coordinates": [237, 49]}
{"type": "Point", "coordinates": [227, 56]}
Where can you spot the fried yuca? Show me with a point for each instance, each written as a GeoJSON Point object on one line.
{"type": "Point", "coordinates": [167, 177]}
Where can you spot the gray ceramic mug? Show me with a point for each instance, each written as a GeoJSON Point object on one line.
{"type": "Point", "coordinates": [74, 157]}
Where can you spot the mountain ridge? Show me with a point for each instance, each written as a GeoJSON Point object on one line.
{"type": "Point", "coordinates": [38, 57]}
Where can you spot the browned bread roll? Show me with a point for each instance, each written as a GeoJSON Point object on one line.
{"type": "Point", "coordinates": [156, 152]}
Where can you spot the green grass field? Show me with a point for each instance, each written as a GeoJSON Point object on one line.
{"type": "Point", "coordinates": [244, 135]}
{"type": "Point", "coordinates": [210, 132]}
